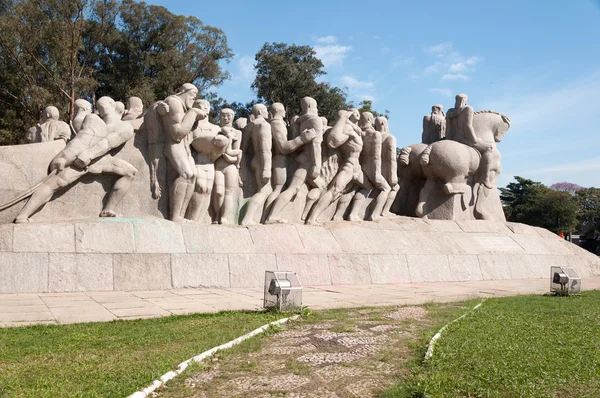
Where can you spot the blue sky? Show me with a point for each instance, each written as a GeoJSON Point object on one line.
{"type": "Point", "coordinates": [537, 62]}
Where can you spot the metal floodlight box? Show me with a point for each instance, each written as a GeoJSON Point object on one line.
{"type": "Point", "coordinates": [283, 290]}
{"type": "Point", "coordinates": [564, 281]}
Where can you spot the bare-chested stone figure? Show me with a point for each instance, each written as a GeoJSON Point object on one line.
{"type": "Point", "coordinates": [369, 176]}
{"type": "Point", "coordinates": [434, 125]}
{"type": "Point", "coordinates": [88, 152]}
{"type": "Point", "coordinates": [389, 165]}
{"type": "Point", "coordinates": [346, 135]}
{"type": "Point", "coordinates": [49, 128]}
{"type": "Point", "coordinates": [208, 146]}
{"type": "Point", "coordinates": [135, 108]}
{"type": "Point", "coordinates": [309, 163]}
{"type": "Point", "coordinates": [260, 138]}
{"type": "Point", "coordinates": [169, 123]}
{"type": "Point", "coordinates": [82, 109]}
{"type": "Point", "coordinates": [320, 183]}
{"type": "Point", "coordinates": [227, 176]}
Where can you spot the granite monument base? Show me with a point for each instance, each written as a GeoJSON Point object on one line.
{"type": "Point", "coordinates": [151, 254]}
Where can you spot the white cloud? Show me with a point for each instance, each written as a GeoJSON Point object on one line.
{"type": "Point", "coordinates": [400, 60]}
{"type": "Point", "coordinates": [246, 67]}
{"type": "Point", "coordinates": [354, 84]}
{"type": "Point", "coordinates": [437, 67]}
{"type": "Point", "coordinates": [385, 50]}
{"type": "Point", "coordinates": [444, 91]}
{"type": "Point", "coordinates": [458, 67]}
{"type": "Point", "coordinates": [332, 54]}
{"type": "Point", "coordinates": [367, 97]}
{"type": "Point", "coordinates": [458, 76]}
{"type": "Point", "coordinates": [327, 39]}
{"type": "Point", "coordinates": [376, 38]}
{"type": "Point", "coordinates": [438, 49]}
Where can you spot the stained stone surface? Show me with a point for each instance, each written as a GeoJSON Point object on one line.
{"type": "Point", "coordinates": [158, 254]}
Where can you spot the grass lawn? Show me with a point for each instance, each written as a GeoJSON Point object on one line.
{"type": "Point", "coordinates": [112, 359]}
{"type": "Point", "coordinates": [528, 346]}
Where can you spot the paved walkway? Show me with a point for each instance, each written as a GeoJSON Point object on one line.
{"type": "Point", "coordinates": [64, 308]}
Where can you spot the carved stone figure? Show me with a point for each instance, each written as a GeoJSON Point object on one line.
{"type": "Point", "coordinates": [369, 176]}
{"type": "Point", "coordinates": [208, 146]}
{"type": "Point", "coordinates": [135, 108]}
{"type": "Point", "coordinates": [434, 125]}
{"type": "Point", "coordinates": [389, 166]}
{"type": "Point", "coordinates": [346, 135]}
{"type": "Point", "coordinates": [82, 109]}
{"type": "Point", "coordinates": [260, 142]}
{"type": "Point", "coordinates": [169, 123]}
{"type": "Point", "coordinates": [308, 157]}
{"type": "Point", "coordinates": [49, 128]}
{"type": "Point", "coordinates": [88, 152]}
{"type": "Point", "coordinates": [319, 184]}
{"type": "Point", "coordinates": [227, 176]}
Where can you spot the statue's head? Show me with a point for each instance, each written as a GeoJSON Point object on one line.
{"type": "Point", "coordinates": [461, 101]}
{"type": "Point", "coordinates": [437, 109]}
{"type": "Point", "coordinates": [188, 93]}
{"type": "Point", "coordinates": [50, 113]}
{"type": "Point", "coordinates": [226, 117]}
{"type": "Point", "coordinates": [135, 103]}
{"type": "Point", "coordinates": [202, 104]}
{"type": "Point", "coordinates": [381, 124]}
{"type": "Point", "coordinates": [120, 108]}
{"type": "Point", "coordinates": [354, 115]}
{"type": "Point", "coordinates": [366, 119]}
{"type": "Point", "coordinates": [82, 106]}
{"type": "Point", "coordinates": [240, 123]}
{"type": "Point", "coordinates": [324, 121]}
{"type": "Point", "coordinates": [308, 105]}
{"type": "Point", "coordinates": [277, 111]}
{"type": "Point", "coordinates": [105, 106]}
{"type": "Point", "coordinates": [259, 110]}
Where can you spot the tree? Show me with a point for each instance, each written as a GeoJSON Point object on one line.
{"type": "Point", "coordinates": [566, 187]}
{"type": "Point", "coordinates": [589, 210]}
{"type": "Point", "coordinates": [54, 51]}
{"type": "Point", "coordinates": [367, 106]}
{"type": "Point", "coordinates": [518, 199]}
{"type": "Point", "coordinates": [287, 73]}
{"type": "Point", "coordinates": [531, 202]}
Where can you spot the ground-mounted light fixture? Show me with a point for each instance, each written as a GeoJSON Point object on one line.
{"type": "Point", "coordinates": [283, 291]}
{"type": "Point", "coordinates": [564, 281]}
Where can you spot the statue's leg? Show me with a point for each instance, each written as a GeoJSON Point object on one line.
{"type": "Point", "coordinates": [278, 179]}
{"type": "Point", "coordinates": [231, 174]}
{"type": "Point", "coordinates": [282, 200]}
{"type": "Point", "coordinates": [44, 193]}
{"type": "Point", "coordinates": [340, 181]}
{"type": "Point", "coordinates": [390, 200]}
{"type": "Point", "coordinates": [343, 203]}
{"type": "Point", "coordinates": [201, 199]}
{"type": "Point", "coordinates": [257, 200]}
{"type": "Point", "coordinates": [179, 192]}
{"type": "Point", "coordinates": [218, 197]}
{"type": "Point", "coordinates": [122, 168]}
{"type": "Point", "coordinates": [380, 202]}
{"type": "Point", "coordinates": [426, 191]}
{"type": "Point", "coordinates": [360, 197]}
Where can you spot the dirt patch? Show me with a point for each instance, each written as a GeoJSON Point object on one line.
{"type": "Point", "coordinates": [335, 354]}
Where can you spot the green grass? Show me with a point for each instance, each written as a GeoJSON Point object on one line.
{"type": "Point", "coordinates": [528, 346]}
{"type": "Point", "coordinates": [111, 359]}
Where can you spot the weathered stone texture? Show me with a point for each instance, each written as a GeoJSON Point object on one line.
{"type": "Point", "coordinates": [71, 272]}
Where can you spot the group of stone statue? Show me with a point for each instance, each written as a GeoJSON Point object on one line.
{"type": "Point", "coordinates": [350, 167]}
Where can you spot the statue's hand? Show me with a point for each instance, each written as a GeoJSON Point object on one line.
{"type": "Point", "coordinates": [308, 135]}
{"type": "Point", "coordinates": [266, 176]}
{"type": "Point", "coordinates": [240, 182]}
{"type": "Point", "coordinates": [58, 164]}
{"type": "Point", "coordinates": [82, 160]}
{"type": "Point", "coordinates": [162, 108]}
{"type": "Point", "coordinates": [200, 113]}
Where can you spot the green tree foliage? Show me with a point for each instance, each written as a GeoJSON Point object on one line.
{"type": "Point", "coordinates": [530, 202]}
{"type": "Point", "coordinates": [287, 73]}
{"type": "Point", "coordinates": [589, 210]}
{"type": "Point", "coordinates": [367, 106]}
{"type": "Point", "coordinates": [54, 51]}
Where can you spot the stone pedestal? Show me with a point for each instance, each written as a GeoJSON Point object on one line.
{"type": "Point", "coordinates": [146, 254]}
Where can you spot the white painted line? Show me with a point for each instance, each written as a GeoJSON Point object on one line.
{"type": "Point", "coordinates": [435, 338]}
{"type": "Point", "coordinates": [200, 357]}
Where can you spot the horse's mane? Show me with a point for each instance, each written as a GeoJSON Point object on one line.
{"type": "Point", "coordinates": [505, 118]}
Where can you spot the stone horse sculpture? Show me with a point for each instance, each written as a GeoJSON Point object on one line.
{"type": "Point", "coordinates": [452, 168]}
